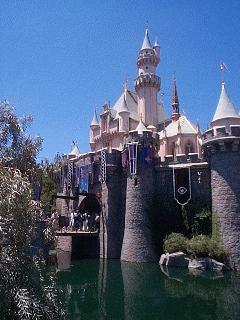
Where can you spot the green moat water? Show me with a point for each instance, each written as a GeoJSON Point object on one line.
{"type": "Point", "coordinates": [94, 289]}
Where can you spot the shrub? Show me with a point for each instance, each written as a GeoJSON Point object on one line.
{"type": "Point", "coordinates": [175, 242]}
{"type": "Point", "coordinates": [216, 249]}
{"type": "Point", "coordinates": [198, 246]}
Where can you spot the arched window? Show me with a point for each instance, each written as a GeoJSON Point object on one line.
{"type": "Point", "coordinates": [189, 148]}
{"type": "Point", "coordinates": [173, 150]}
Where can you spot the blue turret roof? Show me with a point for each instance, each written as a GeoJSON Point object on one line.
{"type": "Point", "coordinates": [225, 108]}
{"type": "Point", "coordinates": [94, 122]}
{"type": "Point", "coordinates": [146, 42]}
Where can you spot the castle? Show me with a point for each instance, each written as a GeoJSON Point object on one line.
{"type": "Point", "coordinates": [147, 167]}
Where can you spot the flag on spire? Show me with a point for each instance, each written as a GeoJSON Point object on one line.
{"type": "Point", "coordinates": [223, 66]}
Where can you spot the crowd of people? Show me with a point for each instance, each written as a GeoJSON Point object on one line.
{"type": "Point", "coordinates": [77, 221]}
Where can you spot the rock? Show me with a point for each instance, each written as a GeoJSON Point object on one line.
{"type": "Point", "coordinates": [215, 265]}
{"type": "Point", "coordinates": [163, 259]}
{"type": "Point", "coordinates": [177, 259]}
{"type": "Point", "coordinates": [200, 264]}
{"type": "Point", "coordinates": [195, 272]}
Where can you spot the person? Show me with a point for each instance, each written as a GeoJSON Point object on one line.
{"type": "Point", "coordinates": [77, 219]}
{"type": "Point", "coordinates": [55, 219]}
{"type": "Point", "coordinates": [97, 221]}
{"type": "Point", "coordinates": [85, 222]}
{"type": "Point", "coordinates": [71, 224]}
{"type": "Point", "coordinates": [90, 222]}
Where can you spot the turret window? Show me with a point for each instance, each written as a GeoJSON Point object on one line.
{"type": "Point", "coordinates": [189, 148]}
{"type": "Point", "coordinates": [173, 150]}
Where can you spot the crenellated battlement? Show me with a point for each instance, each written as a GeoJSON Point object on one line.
{"type": "Point", "coordinates": [147, 80]}
{"type": "Point", "coordinates": [148, 57]}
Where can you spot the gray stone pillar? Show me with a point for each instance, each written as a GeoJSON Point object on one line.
{"type": "Point", "coordinates": [112, 218]}
{"type": "Point", "coordinates": [138, 244]}
{"type": "Point", "coordinates": [225, 182]}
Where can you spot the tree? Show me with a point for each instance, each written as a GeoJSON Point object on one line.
{"type": "Point", "coordinates": [25, 290]}
{"type": "Point", "coordinates": [17, 148]}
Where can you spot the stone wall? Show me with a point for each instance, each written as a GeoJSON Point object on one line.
{"type": "Point", "coordinates": [168, 213]}
{"type": "Point", "coordinates": [113, 209]}
{"type": "Point", "coordinates": [225, 181]}
{"type": "Point", "coordinates": [138, 242]}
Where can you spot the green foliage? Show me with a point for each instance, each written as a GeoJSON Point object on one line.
{"type": "Point", "coordinates": [202, 222]}
{"type": "Point", "coordinates": [17, 148]}
{"type": "Point", "coordinates": [175, 242]}
{"type": "Point", "coordinates": [198, 246]}
{"type": "Point", "coordinates": [25, 291]}
{"type": "Point", "coordinates": [216, 249]}
{"type": "Point", "coordinates": [48, 190]}
{"type": "Point", "coordinates": [196, 219]}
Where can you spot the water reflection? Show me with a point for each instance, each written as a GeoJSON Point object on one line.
{"type": "Point", "coordinates": [115, 290]}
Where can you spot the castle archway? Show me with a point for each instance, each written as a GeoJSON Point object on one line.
{"type": "Point", "coordinates": [90, 204]}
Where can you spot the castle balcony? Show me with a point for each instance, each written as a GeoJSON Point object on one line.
{"type": "Point", "coordinates": [221, 131]}
{"type": "Point", "coordinates": [148, 58]}
{"type": "Point", "coordinates": [221, 134]}
{"type": "Point", "coordinates": [147, 80]}
{"type": "Point", "coordinates": [181, 159]}
{"type": "Point", "coordinates": [235, 130]}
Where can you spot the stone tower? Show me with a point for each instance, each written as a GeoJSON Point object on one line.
{"type": "Point", "coordinates": [222, 146]}
{"type": "Point", "coordinates": [138, 242]}
{"type": "Point", "coordinates": [94, 125]}
{"type": "Point", "coordinates": [147, 83]}
{"type": "Point", "coordinates": [175, 103]}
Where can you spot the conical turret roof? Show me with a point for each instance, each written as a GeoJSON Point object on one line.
{"type": "Point", "coordinates": [225, 108]}
{"type": "Point", "coordinates": [94, 122]}
{"type": "Point", "coordinates": [146, 42]}
{"type": "Point", "coordinates": [156, 44]}
{"type": "Point", "coordinates": [75, 151]}
{"type": "Point", "coordinates": [140, 128]}
{"type": "Point", "coordinates": [123, 104]}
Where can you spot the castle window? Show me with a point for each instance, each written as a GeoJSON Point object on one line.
{"type": "Point", "coordinates": [173, 150]}
{"type": "Point", "coordinates": [189, 148]}
{"type": "Point", "coordinates": [104, 124]}
{"type": "Point", "coordinates": [146, 67]}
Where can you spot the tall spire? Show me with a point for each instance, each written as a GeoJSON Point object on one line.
{"type": "Point", "coordinates": [146, 42]}
{"type": "Point", "coordinates": [123, 106]}
{"type": "Point", "coordinates": [225, 108]}
{"type": "Point", "coordinates": [175, 102]}
{"type": "Point", "coordinates": [156, 44]}
{"type": "Point", "coordinates": [94, 122]}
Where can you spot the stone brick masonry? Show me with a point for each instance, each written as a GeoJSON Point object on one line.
{"type": "Point", "coordinates": [225, 180]}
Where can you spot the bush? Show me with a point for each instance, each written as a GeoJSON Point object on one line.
{"type": "Point", "coordinates": [175, 242]}
{"type": "Point", "coordinates": [198, 246]}
{"type": "Point", "coordinates": [216, 249]}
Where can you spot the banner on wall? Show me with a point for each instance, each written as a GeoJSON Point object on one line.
{"type": "Point", "coordinates": [182, 185]}
{"type": "Point", "coordinates": [132, 156]}
{"type": "Point", "coordinates": [125, 158]}
{"type": "Point", "coordinates": [147, 155]}
{"type": "Point", "coordinates": [84, 178]}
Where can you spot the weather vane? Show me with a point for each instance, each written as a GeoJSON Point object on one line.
{"type": "Point", "coordinates": [223, 68]}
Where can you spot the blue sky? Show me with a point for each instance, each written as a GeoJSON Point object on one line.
{"type": "Point", "coordinates": [59, 59]}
